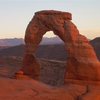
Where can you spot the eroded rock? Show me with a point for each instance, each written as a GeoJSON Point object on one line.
{"type": "Point", "coordinates": [82, 63]}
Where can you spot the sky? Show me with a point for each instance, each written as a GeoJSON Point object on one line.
{"type": "Point", "coordinates": [16, 14]}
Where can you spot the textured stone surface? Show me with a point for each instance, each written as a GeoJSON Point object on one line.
{"type": "Point", "coordinates": [33, 90]}
{"type": "Point", "coordinates": [82, 63]}
{"type": "Point", "coordinates": [11, 89]}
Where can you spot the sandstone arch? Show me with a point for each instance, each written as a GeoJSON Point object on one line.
{"type": "Point", "coordinates": [82, 63]}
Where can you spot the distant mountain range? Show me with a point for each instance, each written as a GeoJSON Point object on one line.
{"type": "Point", "coordinates": [96, 44]}
{"type": "Point", "coordinates": [11, 42]}
{"type": "Point", "coordinates": [53, 40]}
{"type": "Point", "coordinates": [19, 41]}
{"type": "Point", "coordinates": [45, 51]}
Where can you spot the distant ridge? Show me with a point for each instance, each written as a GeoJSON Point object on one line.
{"type": "Point", "coordinates": [96, 44]}
{"type": "Point", "coordinates": [19, 41]}
{"type": "Point", "coordinates": [53, 40]}
{"type": "Point", "coordinates": [45, 41]}
{"type": "Point", "coordinates": [45, 51]}
{"type": "Point", "coordinates": [11, 42]}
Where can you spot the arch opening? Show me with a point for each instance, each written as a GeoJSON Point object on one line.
{"type": "Point", "coordinates": [49, 34]}
{"type": "Point", "coordinates": [51, 47]}
{"type": "Point", "coordinates": [52, 58]}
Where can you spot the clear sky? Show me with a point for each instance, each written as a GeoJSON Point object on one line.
{"type": "Point", "coordinates": [16, 14]}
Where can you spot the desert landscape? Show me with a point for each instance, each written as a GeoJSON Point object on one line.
{"type": "Point", "coordinates": [68, 70]}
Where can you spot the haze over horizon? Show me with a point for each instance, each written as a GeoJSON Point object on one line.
{"type": "Point", "coordinates": [16, 14]}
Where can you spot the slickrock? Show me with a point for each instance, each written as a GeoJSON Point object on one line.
{"type": "Point", "coordinates": [34, 90]}
{"type": "Point", "coordinates": [82, 63]}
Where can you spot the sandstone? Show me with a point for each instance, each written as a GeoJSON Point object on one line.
{"type": "Point", "coordinates": [20, 75]}
{"type": "Point", "coordinates": [82, 63]}
{"type": "Point", "coordinates": [93, 93]}
{"type": "Point", "coordinates": [34, 90]}
{"type": "Point", "coordinates": [11, 89]}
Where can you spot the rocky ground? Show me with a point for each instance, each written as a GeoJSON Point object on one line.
{"type": "Point", "coordinates": [12, 89]}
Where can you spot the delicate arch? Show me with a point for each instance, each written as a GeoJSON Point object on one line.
{"type": "Point", "coordinates": [80, 52]}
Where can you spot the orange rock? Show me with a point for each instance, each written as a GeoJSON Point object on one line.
{"type": "Point", "coordinates": [20, 75]}
{"type": "Point", "coordinates": [82, 63]}
{"type": "Point", "coordinates": [34, 90]}
{"type": "Point", "coordinates": [42, 22]}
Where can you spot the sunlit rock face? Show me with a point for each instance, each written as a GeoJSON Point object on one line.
{"type": "Point", "coordinates": [82, 63]}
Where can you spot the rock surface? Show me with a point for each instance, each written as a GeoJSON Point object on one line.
{"type": "Point", "coordinates": [42, 22]}
{"type": "Point", "coordinates": [11, 89]}
{"type": "Point", "coordinates": [82, 63]}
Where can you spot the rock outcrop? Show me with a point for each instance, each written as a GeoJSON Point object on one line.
{"type": "Point", "coordinates": [82, 63]}
{"type": "Point", "coordinates": [33, 90]}
{"type": "Point", "coordinates": [29, 89]}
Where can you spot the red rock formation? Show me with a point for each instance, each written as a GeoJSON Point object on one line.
{"type": "Point", "coordinates": [33, 90]}
{"type": "Point", "coordinates": [82, 63]}
{"type": "Point", "coordinates": [42, 22]}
